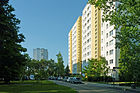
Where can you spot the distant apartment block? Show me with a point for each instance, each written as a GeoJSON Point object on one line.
{"type": "Point", "coordinates": [75, 47]}
{"type": "Point", "coordinates": [40, 53]}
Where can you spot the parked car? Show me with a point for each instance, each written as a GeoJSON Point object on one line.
{"type": "Point", "coordinates": [59, 78]}
{"type": "Point", "coordinates": [69, 79]}
{"type": "Point", "coordinates": [76, 80]}
{"type": "Point", "coordinates": [52, 78]}
{"type": "Point", "coordinates": [65, 79]}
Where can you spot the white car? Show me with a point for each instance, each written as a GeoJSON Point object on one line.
{"type": "Point", "coordinates": [69, 79]}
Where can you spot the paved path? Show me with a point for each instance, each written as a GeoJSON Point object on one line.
{"type": "Point", "coordinates": [88, 87]}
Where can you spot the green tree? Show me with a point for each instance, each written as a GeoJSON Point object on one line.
{"type": "Point", "coordinates": [96, 68]}
{"type": "Point", "coordinates": [12, 58]}
{"type": "Point", "coordinates": [60, 65]}
{"type": "Point", "coordinates": [51, 68]}
{"type": "Point", "coordinates": [126, 18]}
{"type": "Point", "coordinates": [67, 71]}
{"type": "Point", "coordinates": [41, 69]}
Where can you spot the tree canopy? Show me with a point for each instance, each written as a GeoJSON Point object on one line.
{"type": "Point", "coordinates": [60, 64]}
{"type": "Point", "coordinates": [12, 59]}
{"type": "Point", "coordinates": [125, 16]}
{"type": "Point", "coordinates": [96, 68]}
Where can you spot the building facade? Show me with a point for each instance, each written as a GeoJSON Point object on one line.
{"type": "Point", "coordinates": [40, 53]}
{"type": "Point", "coordinates": [96, 39]}
{"type": "Point", "coordinates": [91, 33]}
{"type": "Point", "coordinates": [75, 47]}
{"type": "Point", "coordinates": [108, 46]}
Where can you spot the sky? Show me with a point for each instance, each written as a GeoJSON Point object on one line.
{"type": "Point", "coordinates": [46, 24]}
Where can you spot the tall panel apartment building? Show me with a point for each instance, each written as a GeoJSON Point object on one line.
{"type": "Point", "coordinates": [91, 33]}
{"type": "Point", "coordinates": [75, 47]}
{"type": "Point", "coordinates": [40, 53]}
{"type": "Point", "coordinates": [97, 40]}
{"type": "Point", "coordinates": [108, 42]}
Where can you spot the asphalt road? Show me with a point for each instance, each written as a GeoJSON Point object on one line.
{"type": "Point", "coordinates": [90, 88]}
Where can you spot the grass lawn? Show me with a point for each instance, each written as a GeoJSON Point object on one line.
{"type": "Point", "coordinates": [34, 87]}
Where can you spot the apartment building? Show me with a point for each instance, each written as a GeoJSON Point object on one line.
{"type": "Point", "coordinates": [40, 53]}
{"type": "Point", "coordinates": [91, 33]}
{"type": "Point", "coordinates": [96, 39]}
{"type": "Point", "coordinates": [75, 47]}
{"type": "Point", "coordinates": [108, 46]}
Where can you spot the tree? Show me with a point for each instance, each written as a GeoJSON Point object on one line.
{"type": "Point", "coordinates": [51, 68]}
{"type": "Point", "coordinates": [125, 17]}
{"type": "Point", "coordinates": [41, 69]}
{"type": "Point", "coordinates": [67, 71]}
{"type": "Point", "coordinates": [12, 58]}
{"type": "Point", "coordinates": [60, 65]}
{"type": "Point", "coordinates": [96, 68]}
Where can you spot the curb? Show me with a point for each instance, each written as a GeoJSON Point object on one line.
{"type": "Point", "coordinates": [124, 89]}
{"type": "Point", "coordinates": [116, 87]}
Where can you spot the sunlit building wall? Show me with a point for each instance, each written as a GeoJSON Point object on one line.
{"type": "Point", "coordinates": [108, 44]}
{"type": "Point", "coordinates": [75, 47]}
{"type": "Point", "coordinates": [91, 33]}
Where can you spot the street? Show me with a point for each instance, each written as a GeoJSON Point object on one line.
{"type": "Point", "coordinates": [90, 88]}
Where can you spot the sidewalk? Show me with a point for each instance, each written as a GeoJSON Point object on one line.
{"type": "Point", "coordinates": [125, 88]}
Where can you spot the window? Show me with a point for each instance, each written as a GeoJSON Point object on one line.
{"type": "Point", "coordinates": [111, 52]}
{"type": "Point", "coordinates": [88, 15]}
{"type": "Point", "coordinates": [106, 26]}
{"type": "Point", "coordinates": [106, 44]}
{"type": "Point", "coordinates": [96, 14]}
{"type": "Point", "coordinates": [96, 25]}
{"type": "Point", "coordinates": [95, 40]}
{"type": "Point", "coordinates": [111, 42]}
{"type": "Point", "coordinates": [88, 21]}
{"type": "Point", "coordinates": [85, 24]}
{"type": "Point", "coordinates": [95, 18]}
{"type": "Point", "coordinates": [96, 48]}
{"type": "Point", "coordinates": [87, 34]}
{"type": "Point", "coordinates": [88, 28]}
{"type": "Point", "coordinates": [106, 35]}
{"type": "Point", "coordinates": [96, 10]}
{"type": "Point", "coordinates": [88, 41]}
{"type": "Point", "coordinates": [88, 8]}
{"type": "Point", "coordinates": [102, 32]}
{"type": "Point", "coordinates": [96, 33]}
{"type": "Point", "coordinates": [111, 33]}
{"type": "Point", "coordinates": [111, 61]}
{"type": "Point", "coordinates": [102, 41]}
{"type": "Point", "coordinates": [87, 53]}
{"type": "Point", "coordinates": [85, 12]}
{"type": "Point", "coordinates": [107, 53]}
{"type": "Point", "coordinates": [102, 48]}
{"type": "Point", "coordinates": [95, 22]}
{"type": "Point", "coordinates": [95, 52]}
{"type": "Point", "coordinates": [96, 29]}
{"type": "Point", "coordinates": [95, 55]}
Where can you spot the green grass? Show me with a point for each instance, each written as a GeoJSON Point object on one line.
{"type": "Point", "coordinates": [34, 87]}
